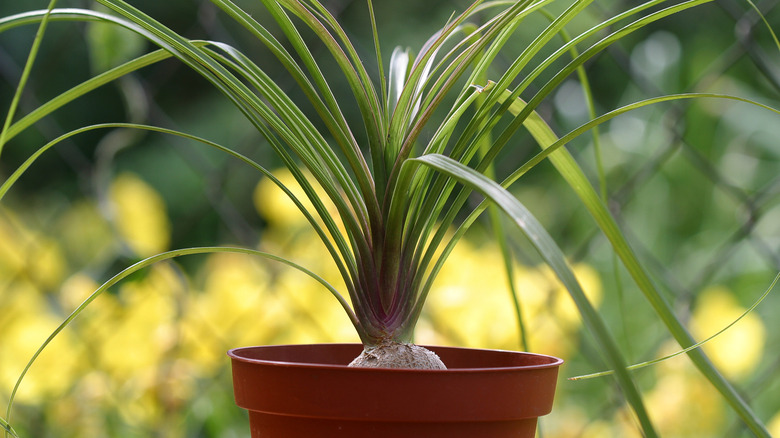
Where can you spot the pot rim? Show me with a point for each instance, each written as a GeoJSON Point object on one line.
{"type": "Point", "coordinates": [236, 353]}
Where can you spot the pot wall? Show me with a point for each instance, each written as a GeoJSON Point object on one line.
{"type": "Point", "coordinates": [265, 425]}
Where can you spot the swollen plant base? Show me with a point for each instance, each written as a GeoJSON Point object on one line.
{"type": "Point", "coordinates": [398, 355]}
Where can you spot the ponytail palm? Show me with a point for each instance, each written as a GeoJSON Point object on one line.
{"type": "Point", "coordinates": [385, 191]}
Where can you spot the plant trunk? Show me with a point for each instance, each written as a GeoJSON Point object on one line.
{"type": "Point", "coordinates": [398, 355]}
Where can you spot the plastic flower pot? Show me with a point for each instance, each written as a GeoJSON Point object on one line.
{"type": "Point", "coordinates": [308, 391]}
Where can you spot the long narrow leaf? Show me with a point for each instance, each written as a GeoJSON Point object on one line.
{"type": "Point", "coordinates": [550, 252]}
{"type": "Point", "coordinates": [350, 64]}
{"type": "Point", "coordinates": [572, 66]}
{"type": "Point", "coordinates": [8, 429]}
{"type": "Point", "coordinates": [260, 114]}
{"type": "Point", "coordinates": [319, 156]}
{"type": "Point", "coordinates": [324, 101]}
{"type": "Point", "coordinates": [467, 147]}
{"type": "Point", "coordinates": [345, 267]}
{"type": "Point", "coordinates": [31, 55]}
{"type": "Point", "coordinates": [699, 344]}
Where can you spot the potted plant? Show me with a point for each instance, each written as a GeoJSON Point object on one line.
{"type": "Point", "coordinates": [384, 191]}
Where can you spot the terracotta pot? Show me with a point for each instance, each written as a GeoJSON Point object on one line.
{"type": "Point", "coordinates": [308, 391]}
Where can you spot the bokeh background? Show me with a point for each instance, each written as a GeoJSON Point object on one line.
{"type": "Point", "coordinates": [694, 185]}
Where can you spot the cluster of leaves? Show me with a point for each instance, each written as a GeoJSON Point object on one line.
{"type": "Point", "coordinates": [397, 196]}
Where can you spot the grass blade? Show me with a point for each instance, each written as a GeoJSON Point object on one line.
{"type": "Point", "coordinates": [156, 259]}
{"type": "Point", "coordinates": [31, 55]}
{"type": "Point", "coordinates": [694, 346]}
{"type": "Point", "coordinates": [8, 429]}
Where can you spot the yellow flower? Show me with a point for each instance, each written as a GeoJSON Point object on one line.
{"type": "Point", "coordinates": [84, 233]}
{"type": "Point", "coordinates": [133, 337]}
{"type": "Point", "coordinates": [30, 253]}
{"type": "Point", "coordinates": [140, 215]}
{"type": "Point", "coordinates": [277, 208]}
{"type": "Point", "coordinates": [133, 330]}
{"type": "Point", "coordinates": [283, 215]}
{"type": "Point", "coordinates": [738, 350]}
{"type": "Point", "coordinates": [549, 312]}
{"type": "Point", "coordinates": [564, 308]}
{"type": "Point", "coordinates": [12, 256]}
{"type": "Point", "coordinates": [29, 322]}
{"type": "Point", "coordinates": [312, 313]}
{"type": "Point", "coordinates": [469, 304]}
{"type": "Point", "coordinates": [76, 289]}
{"type": "Point", "coordinates": [683, 404]}
{"type": "Point", "coordinates": [274, 205]}
{"type": "Point", "coordinates": [232, 310]}
{"type": "Point", "coordinates": [774, 425]}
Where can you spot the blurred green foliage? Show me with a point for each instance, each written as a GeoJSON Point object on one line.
{"type": "Point", "coordinates": [694, 184]}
